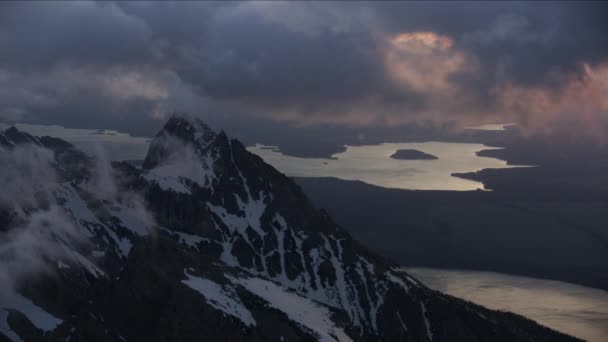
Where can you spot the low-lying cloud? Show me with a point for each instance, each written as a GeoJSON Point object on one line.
{"type": "Point", "coordinates": [35, 229]}
{"type": "Point", "coordinates": [29, 246]}
{"type": "Point", "coordinates": [106, 184]}
{"type": "Point", "coordinates": [38, 227]}
{"type": "Point", "coordinates": [26, 177]}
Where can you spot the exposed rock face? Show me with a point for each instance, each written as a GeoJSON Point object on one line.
{"type": "Point", "coordinates": [208, 242]}
{"type": "Point", "coordinates": [406, 154]}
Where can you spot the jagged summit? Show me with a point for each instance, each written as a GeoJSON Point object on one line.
{"type": "Point", "coordinates": [178, 131]}
{"type": "Point", "coordinates": [208, 242]}
{"type": "Point", "coordinates": [187, 128]}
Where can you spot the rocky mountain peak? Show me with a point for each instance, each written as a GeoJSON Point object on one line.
{"type": "Point", "coordinates": [188, 128]}
{"type": "Point", "coordinates": [207, 241]}
{"type": "Point", "coordinates": [178, 134]}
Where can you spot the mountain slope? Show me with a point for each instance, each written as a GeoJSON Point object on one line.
{"type": "Point", "coordinates": [205, 242]}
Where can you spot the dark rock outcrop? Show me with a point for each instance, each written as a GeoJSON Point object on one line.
{"type": "Point", "coordinates": [406, 154]}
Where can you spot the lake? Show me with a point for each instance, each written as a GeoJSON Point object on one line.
{"type": "Point", "coordinates": [116, 145]}
{"type": "Point", "coordinates": [573, 309]}
{"type": "Point", "coordinates": [372, 164]}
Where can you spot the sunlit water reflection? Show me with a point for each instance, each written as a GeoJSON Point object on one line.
{"type": "Point", "coordinates": [576, 310]}
{"type": "Point", "coordinates": [372, 164]}
{"type": "Point", "coordinates": [117, 145]}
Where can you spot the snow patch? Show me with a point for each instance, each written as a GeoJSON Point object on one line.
{"type": "Point", "coordinates": [188, 239]}
{"type": "Point", "coordinates": [87, 221]}
{"type": "Point", "coordinates": [227, 257]}
{"type": "Point", "coordinates": [6, 329]}
{"type": "Point", "coordinates": [427, 324]}
{"type": "Point", "coordinates": [78, 209]}
{"type": "Point", "coordinates": [253, 211]}
{"type": "Point", "coordinates": [34, 313]}
{"type": "Point", "coordinates": [132, 219]}
{"type": "Point", "coordinates": [166, 182]}
{"type": "Point", "coordinates": [341, 285]}
{"type": "Point", "coordinates": [84, 262]}
{"type": "Point", "coordinates": [393, 278]}
{"type": "Point", "coordinates": [224, 299]}
{"type": "Point", "coordinates": [402, 322]}
{"type": "Point", "coordinates": [301, 310]}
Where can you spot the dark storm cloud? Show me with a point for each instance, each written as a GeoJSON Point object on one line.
{"type": "Point", "coordinates": [42, 34]}
{"type": "Point", "coordinates": [113, 63]}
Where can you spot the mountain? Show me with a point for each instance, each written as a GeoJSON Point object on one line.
{"type": "Point", "coordinates": [204, 242]}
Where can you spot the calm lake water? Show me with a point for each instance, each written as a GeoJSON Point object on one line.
{"type": "Point", "coordinates": [372, 164]}
{"type": "Point", "coordinates": [117, 145]}
{"type": "Point", "coordinates": [576, 310]}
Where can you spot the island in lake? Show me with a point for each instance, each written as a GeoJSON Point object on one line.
{"type": "Point", "coordinates": [409, 154]}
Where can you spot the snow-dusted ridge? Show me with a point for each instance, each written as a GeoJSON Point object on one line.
{"type": "Point", "coordinates": [207, 240]}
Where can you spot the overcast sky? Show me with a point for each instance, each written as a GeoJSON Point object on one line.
{"type": "Point", "coordinates": [126, 65]}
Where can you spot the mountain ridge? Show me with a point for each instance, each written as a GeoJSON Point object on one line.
{"type": "Point", "coordinates": [208, 242]}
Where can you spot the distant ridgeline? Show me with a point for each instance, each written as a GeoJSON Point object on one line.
{"type": "Point", "coordinates": [204, 242]}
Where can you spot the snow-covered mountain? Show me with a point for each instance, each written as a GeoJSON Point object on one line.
{"type": "Point", "coordinates": [204, 242]}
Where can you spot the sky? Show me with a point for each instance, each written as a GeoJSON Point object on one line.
{"type": "Point", "coordinates": [128, 65]}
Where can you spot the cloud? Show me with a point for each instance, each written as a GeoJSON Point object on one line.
{"type": "Point", "coordinates": [36, 230]}
{"type": "Point", "coordinates": [37, 36]}
{"type": "Point", "coordinates": [172, 157]}
{"type": "Point", "coordinates": [426, 62]}
{"type": "Point", "coordinates": [107, 185]}
{"type": "Point", "coordinates": [114, 98]}
{"type": "Point", "coordinates": [123, 64]}
{"type": "Point", "coordinates": [38, 227]}
{"type": "Point", "coordinates": [579, 106]}
{"type": "Point", "coordinates": [27, 177]}
{"type": "Point", "coordinates": [511, 28]}
{"type": "Point", "coordinates": [27, 248]}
